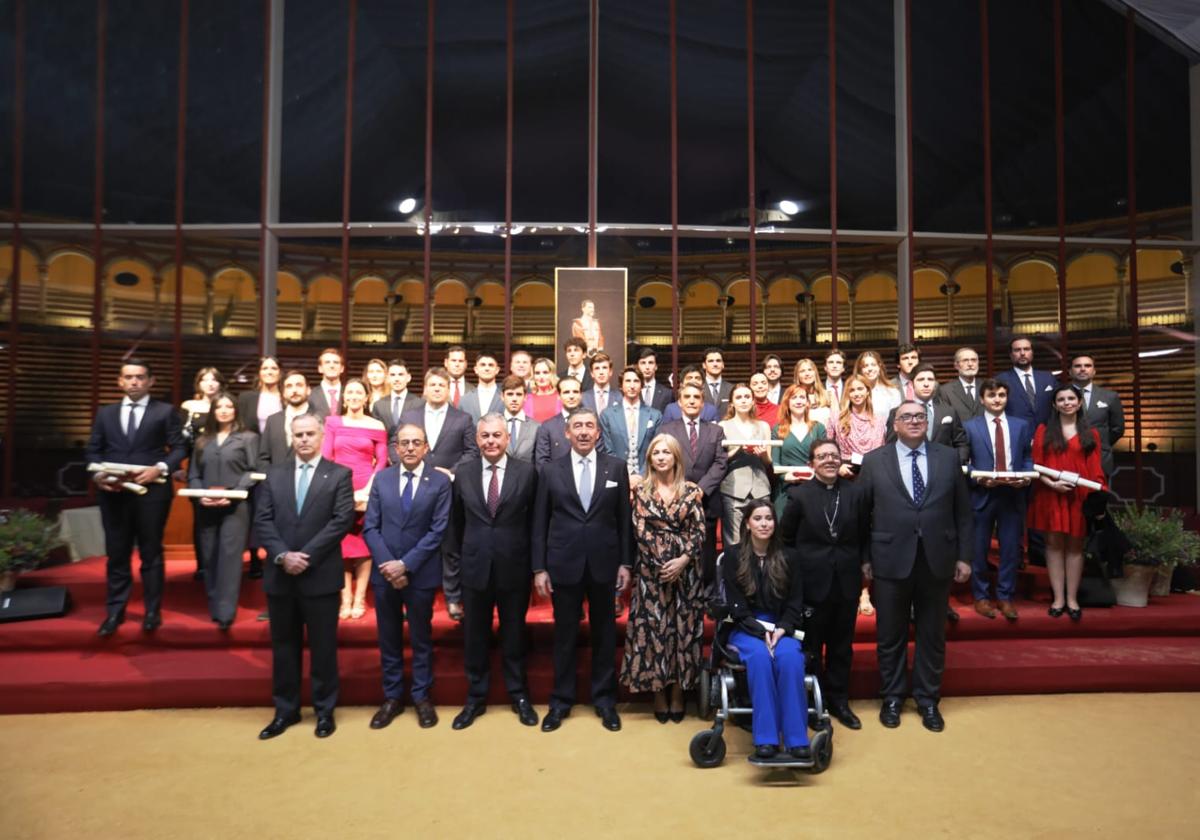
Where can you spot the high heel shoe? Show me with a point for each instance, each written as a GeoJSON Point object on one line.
{"type": "Point", "coordinates": [358, 610]}
{"type": "Point", "coordinates": [677, 717]}
{"type": "Point", "coordinates": [1055, 612]}
{"type": "Point", "coordinates": [344, 612]}
{"type": "Point", "coordinates": [1075, 614]}
{"type": "Point", "coordinates": [662, 717]}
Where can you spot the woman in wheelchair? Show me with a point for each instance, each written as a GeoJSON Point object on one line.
{"type": "Point", "coordinates": [763, 584]}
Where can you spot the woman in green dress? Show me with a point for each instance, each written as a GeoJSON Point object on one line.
{"type": "Point", "coordinates": [798, 433]}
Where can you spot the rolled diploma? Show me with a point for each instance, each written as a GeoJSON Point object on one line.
{"type": "Point", "coordinates": [1069, 477]}
{"type": "Point", "coordinates": [211, 493]}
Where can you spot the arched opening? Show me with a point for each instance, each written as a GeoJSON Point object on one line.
{"type": "Point", "coordinates": [369, 310]}
{"type": "Point", "coordinates": [70, 280]}
{"type": "Point", "coordinates": [34, 294]}
{"type": "Point", "coordinates": [533, 314]}
{"type": "Point", "coordinates": [325, 307]}
{"type": "Point", "coordinates": [820, 304]}
{"type": "Point", "coordinates": [652, 324]}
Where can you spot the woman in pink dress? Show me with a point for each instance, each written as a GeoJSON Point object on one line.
{"type": "Point", "coordinates": [542, 402]}
{"type": "Point", "coordinates": [858, 430]}
{"type": "Point", "coordinates": [358, 441]}
{"type": "Point", "coordinates": [1064, 442]}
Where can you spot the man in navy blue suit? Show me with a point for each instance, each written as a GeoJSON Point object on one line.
{"type": "Point", "coordinates": [654, 393]}
{"type": "Point", "coordinates": [582, 549]}
{"type": "Point", "coordinates": [999, 443]}
{"type": "Point", "coordinates": [1029, 390]}
{"type": "Point", "coordinates": [146, 432]}
{"type": "Point", "coordinates": [602, 394]}
{"type": "Point", "coordinates": [551, 441]}
{"type": "Point", "coordinates": [408, 512]}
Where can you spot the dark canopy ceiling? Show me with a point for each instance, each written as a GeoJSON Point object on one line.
{"type": "Point", "coordinates": [224, 111]}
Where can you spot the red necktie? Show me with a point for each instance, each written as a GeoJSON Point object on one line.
{"type": "Point", "coordinates": [1001, 463]}
{"type": "Point", "coordinates": [493, 499]}
{"type": "Point", "coordinates": [335, 406]}
{"type": "Point", "coordinates": [454, 394]}
{"type": "Point", "coordinates": [908, 391]}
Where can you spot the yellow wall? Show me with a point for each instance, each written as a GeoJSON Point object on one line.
{"type": "Point", "coordinates": [371, 290]}
{"type": "Point", "coordinates": [820, 290]}
{"type": "Point", "coordinates": [1032, 277]}
{"type": "Point", "coordinates": [1156, 265]}
{"type": "Point", "coordinates": [492, 294]}
{"type": "Point", "coordinates": [413, 292]}
{"type": "Point", "coordinates": [450, 292]}
{"type": "Point", "coordinates": [657, 289]}
{"type": "Point", "coordinates": [740, 290]}
{"type": "Point", "coordinates": [701, 293]}
{"type": "Point", "coordinates": [1091, 270]}
{"type": "Point", "coordinates": [72, 273]}
{"type": "Point", "coordinates": [325, 290]}
{"type": "Point", "coordinates": [534, 294]}
{"type": "Point", "coordinates": [232, 283]}
{"type": "Point", "coordinates": [877, 287]}
{"type": "Point", "coordinates": [289, 287]}
{"type": "Point", "coordinates": [783, 291]}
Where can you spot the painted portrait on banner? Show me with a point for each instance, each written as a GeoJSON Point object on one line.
{"type": "Point", "coordinates": [590, 304]}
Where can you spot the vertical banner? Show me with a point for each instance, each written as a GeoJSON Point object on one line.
{"type": "Point", "coordinates": [592, 304]}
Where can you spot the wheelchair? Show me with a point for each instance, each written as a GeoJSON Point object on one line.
{"type": "Point", "coordinates": [724, 693]}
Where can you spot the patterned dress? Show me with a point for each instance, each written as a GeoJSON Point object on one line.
{"type": "Point", "coordinates": [666, 620]}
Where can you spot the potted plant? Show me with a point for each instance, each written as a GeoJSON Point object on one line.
{"type": "Point", "coordinates": [25, 541]}
{"type": "Point", "coordinates": [1159, 543]}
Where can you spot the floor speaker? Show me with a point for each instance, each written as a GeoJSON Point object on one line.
{"type": "Point", "coordinates": [36, 602]}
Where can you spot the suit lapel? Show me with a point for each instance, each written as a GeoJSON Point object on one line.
{"type": "Point", "coordinates": [315, 485]}
{"type": "Point", "coordinates": [892, 466]}
{"type": "Point", "coordinates": [288, 492]}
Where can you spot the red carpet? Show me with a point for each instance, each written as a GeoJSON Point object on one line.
{"type": "Point", "coordinates": [61, 665]}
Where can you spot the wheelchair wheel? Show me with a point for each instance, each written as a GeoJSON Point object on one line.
{"type": "Point", "coordinates": [822, 750]}
{"type": "Point", "coordinates": [704, 694]}
{"type": "Point", "coordinates": [707, 749]}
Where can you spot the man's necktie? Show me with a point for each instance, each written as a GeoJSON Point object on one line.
{"type": "Point", "coordinates": [631, 456]}
{"type": "Point", "coordinates": [454, 395]}
{"type": "Point", "coordinates": [131, 425]}
{"type": "Point", "coordinates": [918, 482]}
{"type": "Point", "coordinates": [908, 389]}
{"type": "Point", "coordinates": [1029, 390]}
{"type": "Point", "coordinates": [493, 497]}
{"type": "Point", "coordinates": [1001, 462]}
{"type": "Point", "coordinates": [928, 420]}
{"type": "Point", "coordinates": [335, 406]}
{"type": "Point", "coordinates": [1087, 399]}
{"type": "Point", "coordinates": [406, 497]}
{"type": "Point", "coordinates": [585, 485]}
{"type": "Point", "coordinates": [395, 409]}
{"type": "Point", "coordinates": [971, 393]}
{"type": "Point", "coordinates": [836, 392]}
{"type": "Point", "coordinates": [302, 486]}
{"type": "Point", "coordinates": [693, 438]}
{"type": "Point", "coordinates": [716, 393]}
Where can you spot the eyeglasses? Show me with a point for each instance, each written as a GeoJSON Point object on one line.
{"type": "Point", "coordinates": [409, 444]}
{"type": "Point", "coordinates": [827, 456]}
{"type": "Point", "coordinates": [912, 418]}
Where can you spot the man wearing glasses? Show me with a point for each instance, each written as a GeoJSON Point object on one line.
{"type": "Point", "coordinates": [920, 541]}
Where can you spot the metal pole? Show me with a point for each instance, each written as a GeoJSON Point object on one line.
{"type": "Point", "coordinates": [272, 138]}
{"type": "Point", "coordinates": [180, 180]}
{"type": "Point", "coordinates": [348, 148]}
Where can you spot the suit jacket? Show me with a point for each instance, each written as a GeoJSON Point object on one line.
{"type": "Point", "coordinates": [614, 436]}
{"type": "Point", "coordinates": [1106, 416]}
{"type": "Point", "coordinates": [955, 395]}
{"type": "Point", "coordinates": [707, 469]}
{"type": "Point", "coordinates": [158, 439]}
{"type": "Point", "coordinates": [317, 530]}
{"type": "Point", "coordinates": [568, 539]}
{"type": "Point", "coordinates": [708, 413]}
{"type": "Point", "coordinates": [493, 549]}
{"type": "Point", "coordinates": [945, 429]}
{"type": "Point", "coordinates": [589, 398]}
{"type": "Point", "coordinates": [522, 446]}
{"type": "Point", "coordinates": [319, 403]}
{"type": "Point", "coordinates": [828, 561]}
{"type": "Point", "coordinates": [470, 404]}
{"type": "Point", "coordinates": [455, 443]}
{"type": "Point", "coordinates": [585, 384]}
{"type": "Point", "coordinates": [662, 397]}
{"type": "Point", "coordinates": [273, 448]}
{"type": "Point", "coordinates": [943, 520]}
{"type": "Point", "coordinates": [981, 440]}
{"type": "Point", "coordinates": [722, 404]}
{"type": "Point", "coordinates": [415, 539]}
{"type": "Point", "coordinates": [1018, 401]}
{"type": "Point", "coordinates": [382, 411]}
{"type": "Point", "coordinates": [551, 442]}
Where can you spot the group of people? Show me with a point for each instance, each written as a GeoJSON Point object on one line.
{"type": "Point", "coordinates": [582, 482]}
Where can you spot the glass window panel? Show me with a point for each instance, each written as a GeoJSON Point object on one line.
{"type": "Point", "coordinates": [7, 47]}
{"type": "Point", "coordinates": [1161, 108]}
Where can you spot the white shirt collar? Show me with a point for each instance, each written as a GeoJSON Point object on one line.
{"type": "Point", "coordinates": [142, 403]}
{"type": "Point", "coordinates": [502, 464]}
{"type": "Point", "coordinates": [416, 471]}
{"type": "Point", "coordinates": [590, 457]}
{"type": "Point", "coordinates": [429, 409]}
{"type": "Point", "coordinates": [314, 462]}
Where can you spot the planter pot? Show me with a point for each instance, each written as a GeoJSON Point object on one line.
{"type": "Point", "coordinates": [1133, 590]}
{"type": "Point", "coordinates": [1161, 585]}
{"type": "Point", "coordinates": [8, 581]}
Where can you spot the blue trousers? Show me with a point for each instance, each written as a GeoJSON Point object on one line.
{"type": "Point", "coordinates": [776, 689]}
{"type": "Point", "coordinates": [1004, 511]}
{"type": "Point", "coordinates": [391, 605]}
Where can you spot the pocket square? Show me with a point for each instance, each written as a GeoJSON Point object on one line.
{"type": "Point", "coordinates": [947, 419]}
{"type": "Point", "coordinates": [1048, 388]}
{"type": "Point", "coordinates": [1101, 405]}
{"type": "Point", "coordinates": [609, 483]}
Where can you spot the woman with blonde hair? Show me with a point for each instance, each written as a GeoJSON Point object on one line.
{"type": "Point", "coordinates": [859, 430]}
{"type": "Point", "coordinates": [821, 408]}
{"type": "Point", "coordinates": [666, 611]}
{"type": "Point", "coordinates": [748, 471]}
{"type": "Point", "coordinates": [884, 394]}
{"type": "Point", "coordinates": [542, 402]}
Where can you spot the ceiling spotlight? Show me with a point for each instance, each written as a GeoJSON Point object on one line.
{"type": "Point", "coordinates": [1150, 354]}
{"type": "Point", "coordinates": [407, 206]}
{"type": "Point", "coordinates": [790, 207]}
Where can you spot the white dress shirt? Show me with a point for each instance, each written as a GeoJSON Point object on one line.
{"type": "Point", "coordinates": [501, 466]}
{"type": "Point", "coordinates": [289, 414]}
{"type": "Point", "coordinates": [904, 457]}
{"type": "Point", "coordinates": [577, 465]}
{"type": "Point", "coordinates": [127, 405]}
{"type": "Point", "coordinates": [485, 393]}
{"type": "Point", "coordinates": [416, 479]}
{"type": "Point", "coordinates": [991, 426]}
{"type": "Point", "coordinates": [969, 388]}
{"type": "Point", "coordinates": [312, 473]}
{"type": "Point", "coordinates": [435, 418]}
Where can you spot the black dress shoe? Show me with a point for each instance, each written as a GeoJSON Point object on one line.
{"type": "Point", "coordinates": [524, 711]}
{"type": "Point", "coordinates": [467, 716]}
{"type": "Point", "coordinates": [387, 712]}
{"type": "Point", "coordinates": [325, 726]}
{"type": "Point", "coordinates": [889, 713]}
{"type": "Point", "coordinates": [1055, 612]}
{"type": "Point", "coordinates": [554, 719]}
{"type": "Point", "coordinates": [609, 717]}
{"type": "Point", "coordinates": [426, 714]}
{"type": "Point", "coordinates": [263, 616]}
{"type": "Point", "coordinates": [152, 621]}
{"type": "Point", "coordinates": [931, 718]}
{"type": "Point", "coordinates": [1075, 614]}
{"type": "Point", "coordinates": [677, 717]}
{"type": "Point", "coordinates": [766, 751]}
{"type": "Point", "coordinates": [198, 574]}
{"type": "Point", "coordinates": [255, 571]}
{"type": "Point", "coordinates": [951, 615]}
{"type": "Point", "coordinates": [845, 716]}
{"type": "Point", "coordinates": [111, 623]}
{"type": "Point", "coordinates": [278, 726]}
{"type": "Point", "coordinates": [662, 717]}
{"type": "Point", "coordinates": [801, 753]}
{"type": "Point", "coordinates": [224, 625]}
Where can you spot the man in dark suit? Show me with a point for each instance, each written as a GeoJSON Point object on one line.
{"type": "Point", "coordinates": [522, 429]}
{"type": "Point", "coordinates": [456, 366]}
{"type": "Point", "coordinates": [575, 352]}
{"type": "Point", "coordinates": [1029, 391]}
{"type": "Point", "coordinates": [654, 393]}
{"type": "Point", "coordinates": [389, 409]}
{"type": "Point", "coordinates": [485, 396]}
{"type": "Point", "coordinates": [772, 368]}
{"type": "Point", "coordinates": [602, 394]}
{"type": "Point", "coordinates": [716, 389]}
{"type": "Point", "coordinates": [490, 522]}
{"type": "Point", "coordinates": [962, 392]}
{"type": "Point", "coordinates": [704, 461]}
{"type": "Point", "coordinates": [691, 375]}
{"type": "Point", "coordinates": [450, 436]}
{"type": "Point", "coordinates": [998, 443]}
{"type": "Point", "coordinates": [408, 511]}
{"type": "Point", "coordinates": [941, 423]}
{"type": "Point", "coordinates": [276, 446]}
{"type": "Point", "coordinates": [326, 398]}
{"type": "Point", "coordinates": [1102, 408]}
{"type": "Point", "coordinates": [582, 549]}
{"type": "Point", "coordinates": [920, 540]}
{"type": "Point", "coordinates": [551, 441]}
{"type": "Point", "coordinates": [827, 520]}
{"type": "Point", "coordinates": [626, 429]}
{"type": "Point", "coordinates": [908, 356]}
{"type": "Point", "coordinates": [148, 433]}
{"type": "Point", "coordinates": [304, 508]}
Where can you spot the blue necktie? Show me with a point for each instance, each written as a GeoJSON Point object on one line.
{"type": "Point", "coordinates": [302, 486]}
{"type": "Point", "coordinates": [585, 485]}
{"type": "Point", "coordinates": [131, 426]}
{"type": "Point", "coordinates": [406, 497]}
{"type": "Point", "coordinates": [918, 483]}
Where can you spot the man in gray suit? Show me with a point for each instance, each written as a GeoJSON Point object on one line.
{"type": "Point", "coordinates": [485, 397]}
{"type": "Point", "coordinates": [962, 392]}
{"type": "Point", "coordinates": [920, 541]}
{"type": "Point", "coordinates": [1102, 408]}
{"type": "Point", "coordinates": [522, 429]}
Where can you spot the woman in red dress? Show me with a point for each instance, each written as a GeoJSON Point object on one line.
{"type": "Point", "coordinates": [1065, 442]}
{"type": "Point", "coordinates": [542, 402]}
